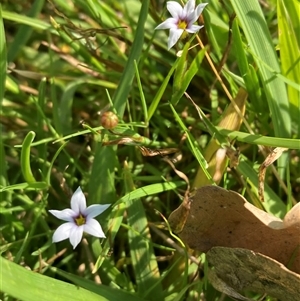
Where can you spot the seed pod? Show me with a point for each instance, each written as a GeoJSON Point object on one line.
{"type": "Point", "coordinates": [109, 120]}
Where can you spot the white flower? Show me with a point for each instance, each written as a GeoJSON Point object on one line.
{"type": "Point", "coordinates": [79, 219]}
{"type": "Point", "coordinates": [182, 20]}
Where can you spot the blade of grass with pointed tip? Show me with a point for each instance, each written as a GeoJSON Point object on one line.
{"type": "Point", "coordinates": [179, 73]}
{"type": "Point", "coordinates": [150, 190]}
{"type": "Point", "coordinates": [27, 285]}
{"type": "Point", "coordinates": [27, 186]}
{"type": "Point", "coordinates": [183, 79]}
{"type": "Point", "coordinates": [260, 139]}
{"type": "Point", "coordinates": [34, 23]}
{"type": "Point", "coordinates": [194, 147]}
{"type": "Point", "coordinates": [142, 95]}
{"type": "Point", "coordinates": [161, 90]}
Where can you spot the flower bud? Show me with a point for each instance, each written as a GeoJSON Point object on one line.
{"type": "Point", "coordinates": [109, 120]}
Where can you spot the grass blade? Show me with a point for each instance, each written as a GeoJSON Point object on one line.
{"type": "Point", "coordinates": [289, 51]}
{"type": "Point", "coordinates": [258, 36]}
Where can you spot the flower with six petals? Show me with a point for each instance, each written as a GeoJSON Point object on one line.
{"type": "Point", "coordinates": [182, 20]}
{"type": "Point", "coordinates": [78, 219]}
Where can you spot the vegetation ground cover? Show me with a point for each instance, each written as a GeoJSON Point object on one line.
{"type": "Point", "coordinates": [92, 97]}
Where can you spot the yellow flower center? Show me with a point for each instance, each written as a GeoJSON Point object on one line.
{"type": "Point", "coordinates": [182, 24]}
{"type": "Point", "coordinates": [80, 220]}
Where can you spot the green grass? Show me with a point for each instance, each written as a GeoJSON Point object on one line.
{"type": "Point", "coordinates": [57, 78]}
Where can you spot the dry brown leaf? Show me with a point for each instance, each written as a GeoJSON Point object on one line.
{"type": "Point", "coordinates": [214, 216]}
{"type": "Point", "coordinates": [223, 287]}
{"type": "Point", "coordinates": [148, 152]}
{"type": "Point", "coordinates": [240, 269]}
{"type": "Point", "coordinates": [292, 218]}
{"type": "Point", "coordinates": [271, 158]}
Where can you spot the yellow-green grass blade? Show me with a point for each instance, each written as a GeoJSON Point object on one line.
{"type": "Point", "coordinates": [293, 9]}
{"type": "Point", "coordinates": [34, 23]}
{"type": "Point", "coordinates": [215, 27]}
{"type": "Point", "coordinates": [184, 78]}
{"type": "Point", "coordinates": [180, 70]}
{"type": "Point", "coordinates": [260, 139]}
{"type": "Point", "coordinates": [3, 58]}
{"type": "Point", "coordinates": [246, 70]}
{"type": "Point", "coordinates": [254, 25]}
{"type": "Point", "coordinates": [150, 190]}
{"type": "Point", "coordinates": [26, 285]}
{"type": "Point", "coordinates": [288, 18]}
{"type": "Point", "coordinates": [27, 186]}
{"type": "Point", "coordinates": [156, 100]}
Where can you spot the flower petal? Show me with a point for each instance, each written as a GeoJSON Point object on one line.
{"type": "Point", "coordinates": [194, 28]}
{"type": "Point", "coordinates": [94, 210]}
{"type": "Point", "coordinates": [76, 235]}
{"type": "Point", "coordinates": [193, 17]}
{"type": "Point", "coordinates": [169, 23]}
{"type": "Point", "coordinates": [65, 215]}
{"type": "Point", "coordinates": [199, 9]}
{"type": "Point", "coordinates": [78, 202]}
{"type": "Point", "coordinates": [92, 227]}
{"type": "Point", "coordinates": [174, 36]}
{"type": "Point", "coordinates": [63, 232]}
{"type": "Point", "coordinates": [175, 9]}
{"type": "Point", "coordinates": [189, 7]}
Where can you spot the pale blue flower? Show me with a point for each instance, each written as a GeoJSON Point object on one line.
{"type": "Point", "coordinates": [182, 20]}
{"type": "Point", "coordinates": [79, 219]}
